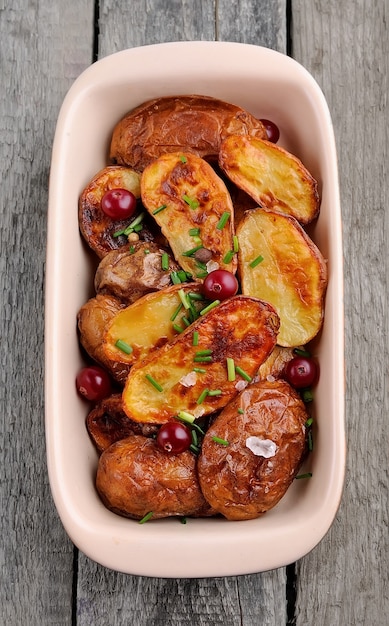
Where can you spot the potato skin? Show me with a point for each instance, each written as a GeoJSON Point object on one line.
{"type": "Point", "coordinates": [107, 423]}
{"type": "Point", "coordinates": [237, 483]}
{"type": "Point", "coordinates": [92, 319]}
{"type": "Point", "coordinates": [191, 123]}
{"type": "Point", "coordinates": [130, 275]}
{"type": "Point", "coordinates": [135, 477]}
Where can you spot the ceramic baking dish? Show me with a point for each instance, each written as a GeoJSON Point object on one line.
{"type": "Point", "coordinates": [269, 85]}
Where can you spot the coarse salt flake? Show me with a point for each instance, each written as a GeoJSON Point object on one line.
{"type": "Point", "coordinates": [189, 379]}
{"type": "Point", "coordinates": [261, 447]}
{"type": "Point", "coordinates": [241, 384]}
{"type": "Point", "coordinates": [211, 266]}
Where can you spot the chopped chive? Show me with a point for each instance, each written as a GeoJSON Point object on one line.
{"type": "Point", "coordinates": [307, 395]}
{"type": "Point", "coordinates": [192, 250]}
{"type": "Point", "coordinates": [195, 296]}
{"type": "Point", "coordinates": [194, 448]}
{"type": "Point", "coordinates": [134, 223]}
{"type": "Point", "coordinates": [307, 475]}
{"type": "Point", "coordinates": [256, 261]}
{"type": "Point", "coordinates": [201, 265]}
{"type": "Point", "coordinates": [223, 220]}
{"type": "Point", "coordinates": [123, 346]}
{"type": "Point", "coordinates": [202, 396]}
{"type": "Point", "coordinates": [147, 251]}
{"type": "Point", "coordinates": [184, 299]}
{"type": "Point", "coordinates": [243, 373]}
{"type": "Point", "coordinates": [228, 256]}
{"type": "Point", "coordinates": [197, 427]}
{"type": "Point", "coordinates": [137, 228]}
{"type": "Point", "coordinates": [175, 278]}
{"type": "Point", "coordinates": [199, 370]}
{"type": "Point", "coordinates": [154, 383]}
{"type": "Point", "coordinates": [198, 240]}
{"type": "Point", "coordinates": [203, 353]}
{"type": "Point", "coordinates": [192, 203]}
{"type": "Point", "coordinates": [183, 276]}
{"type": "Point", "coordinates": [195, 439]}
{"type": "Point", "coordinates": [186, 321]}
{"type": "Point", "coordinates": [223, 442]}
{"type": "Point", "coordinates": [183, 520]}
{"type": "Point", "coordinates": [160, 208]}
{"type": "Point", "coordinates": [310, 441]}
{"type": "Point", "coordinates": [186, 417]}
{"type": "Point", "coordinates": [241, 411]}
{"type": "Point", "coordinates": [309, 422]}
{"type": "Point", "coordinates": [195, 338]}
{"type": "Point", "coordinates": [194, 232]}
{"type": "Point", "coordinates": [119, 232]}
{"type": "Point", "coordinates": [209, 307]}
{"type": "Point", "coordinates": [230, 369]}
{"type": "Point", "coordinates": [132, 249]}
{"type": "Point", "coordinates": [235, 243]}
{"type": "Point", "coordinates": [176, 312]}
{"type": "Point", "coordinates": [301, 352]}
{"type": "Point", "coordinates": [202, 359]}
{"type": "Point", "coordinates": [178, 328]}
{"type": "Point", "coordinates": [202, 274]}
{"type": "Point", "coordinates": [215, 392]}
{"type": "Point", "coordinates": [146, 518]}
{"type": "Point", "coordinates": [165, 261]}
{"type": "Point", "coordinates": [183, 159]}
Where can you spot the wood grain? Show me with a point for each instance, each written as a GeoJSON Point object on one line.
{"type": "Point", "coordinates": [44, 46]}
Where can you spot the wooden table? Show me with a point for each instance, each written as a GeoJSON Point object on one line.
{"type": "Point", "coordinates": [44, 46]}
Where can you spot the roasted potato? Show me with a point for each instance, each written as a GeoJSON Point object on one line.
{"type": "Point", "coordinates": [274, 366]}
{"type": "Point", "coordinates": [95, 226]}
{"type": "Point", "coordinates": [193, 123]}
{"type": "Point", "coordinates": [280, 264]}
{"type": "Point", "coordinates": [193, 208]}
{"type": "Point", "coordinates": [275, 178]}
{"type": "Point", "coordinates": [107, 423]}
{"type": "Point", "coordinates": [135, 477]}
{"type": "Point", "coordinates": [164, 383]}
{"type": "Point", "coordinates": [252, 452]}
{"type": "Point", "coordinates": [92, 319]}
{"type": "Point", "coordinates": [149, 323]}
{"type": "Point", "coordinates": [128, 274]}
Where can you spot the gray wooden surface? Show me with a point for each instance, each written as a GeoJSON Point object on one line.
{"type": "Point", "coordinates": [44, 46]}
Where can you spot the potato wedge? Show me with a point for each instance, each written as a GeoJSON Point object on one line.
{"type": "Point", "coordinates": [188, 200]}
{"type": "Point", "coordinates": [275, 364]}
{"type": "Point", "coordinates": [241, 328]}
{"type": "Point", "coordinates": [149, 323]}
{"type": "Point", "coordinates": [266, 434]}
{"type": "Point", "coordinates": [280, 264]}
{"type": "Point", "coordinates": [192, 123]}
{"type": "Point", "coordinates": [272, 176]}
{"type": "Point", "coordinates": [130, 274]}
{"type": "Point", "coordinates": [95, 226]}
{"type": "Point", "coordinates": [92, 320]}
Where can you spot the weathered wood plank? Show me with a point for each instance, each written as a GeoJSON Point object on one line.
{"type": "Point", "coordinates": [150, 602]}
{"type": "Point", "coordinates": [43, 46]}
{"type": "Point", "coordinates": [345, 45]}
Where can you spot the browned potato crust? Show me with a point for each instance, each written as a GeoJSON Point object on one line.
{"type": "Point", "coordinates": [274, 177]}
{"type": "Point", "coordinates": [193, 197]}
{"type": "Point", "coordinates": [274, 366]}
{"type": "Point", "coordinates": [135, 477]}
{"type": "Point", "coordinates": [128, 275]}
{"type": "Point", "coordinates": [241, 328]}
{"type": "Point", "coordinates": [237, 482]}
{"type": "Point", "coordinates": [93, 318]}
{"type": "Point", "coordinates": [190, 123]}
{"type": "Point", "coordinates": [95, 226]}
{"type": "Point", "coordinates": [107, 423]}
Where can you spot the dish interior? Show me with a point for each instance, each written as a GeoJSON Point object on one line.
{"type": "Point", "coordinates": [269, 85]}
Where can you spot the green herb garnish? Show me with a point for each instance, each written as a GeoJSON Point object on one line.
{"type": "Point", "coordinates": [160, 208]}
{"type": "Point", "coordinates": [243, 373]}
{"type": "Point", "coordinates": [152, 380]}
{"type": "Point", "coordinates": [192, 203]}
{"type": "Point", "coordinates": [256, 261]}
{"type": "Point", "coordinates": [223, 220]}
{"type": "Point", "coordinates": [123, 346]}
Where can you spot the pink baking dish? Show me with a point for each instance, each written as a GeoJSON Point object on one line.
{"type": "Point", "coordinates": [269, 85]}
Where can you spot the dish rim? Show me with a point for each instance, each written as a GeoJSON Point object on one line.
{"type": "Point", "coordinates": [113, 547]}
